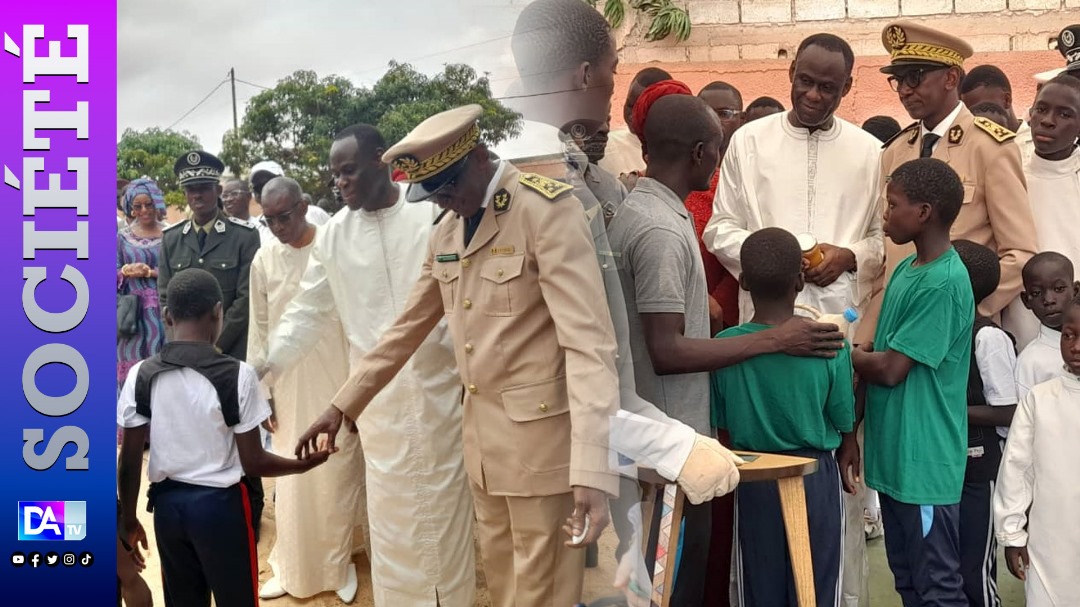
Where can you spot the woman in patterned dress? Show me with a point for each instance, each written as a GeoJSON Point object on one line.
{"type": "Point", "coordinates": [138, 248]}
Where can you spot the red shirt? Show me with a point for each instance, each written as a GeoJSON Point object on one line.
{"type": "Point", "coordinates": [723, 287]}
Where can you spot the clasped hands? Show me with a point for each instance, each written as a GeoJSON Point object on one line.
{"type": "Point", "coordinates": [136, 270]}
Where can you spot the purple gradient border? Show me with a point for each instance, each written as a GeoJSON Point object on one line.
{"type": "Point", "coordinates": [94, 337]}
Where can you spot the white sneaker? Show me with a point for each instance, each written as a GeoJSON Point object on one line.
{"type": "Point", "coordinates": [348, 592]}
{"type": "Point", "coordinates": [272, 589]}
{"type": "Point", "coordinates": [873, 528]}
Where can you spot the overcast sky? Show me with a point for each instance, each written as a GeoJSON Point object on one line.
{"type": "Point", "coordinates": [172, 54]}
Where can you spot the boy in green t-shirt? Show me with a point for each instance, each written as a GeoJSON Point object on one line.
{"type": "Point", "coordinates": [915, 374]}
{"type": "Point", "coordinates": [784, 404]}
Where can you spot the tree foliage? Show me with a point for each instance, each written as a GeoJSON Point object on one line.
{"type": "Point", "coordinates": [152, 153]}
{"type": "Point", "coordinates": [667, 18]}
{"type": "Point", "coordinates": [294, 123]}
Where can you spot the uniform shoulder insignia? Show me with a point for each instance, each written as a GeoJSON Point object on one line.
{"type": "Point", "coordinates": [545, 186]}
{"type": "Point", "coordinates": [998, 132]}
{"type": "Point", "coordinates": [904, 131]}
{"type": "Point", "coordinates": [242, 223]}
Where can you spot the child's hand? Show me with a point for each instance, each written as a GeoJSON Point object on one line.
{"type": "Point", "coordinates": [314, 459]}
{"type": "Point", "coordinates": [136, 537]}
{"type": "Point", "coordinates": [1016, 557]}
{"type": "Point", "coordinates": [849, 461]}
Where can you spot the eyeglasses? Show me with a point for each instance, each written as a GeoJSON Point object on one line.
{"type": "Point", "coordinates": [451, 185]}
{"type": "Point", "coordinates": [135, 208]}
{"type": "Point", "coordinates": [281, 218]}
{"type": "Point", "coordinates": [912, 79]}
{"type": "Point", "coordinates": [726, 114]}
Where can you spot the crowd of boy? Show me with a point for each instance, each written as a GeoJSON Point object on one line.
{"type": "Point", "coordinates": [941, 244]}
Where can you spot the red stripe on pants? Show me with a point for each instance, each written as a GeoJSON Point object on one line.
{"type": "Point", "coordinates": [251, 542]}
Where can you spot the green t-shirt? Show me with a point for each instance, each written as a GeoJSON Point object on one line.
{"type": "Point", "coordinates": [916, 431]}
{"type": "Point", "coordinates": [776, 402]}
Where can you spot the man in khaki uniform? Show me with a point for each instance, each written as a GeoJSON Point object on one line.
{"type": "Point", "coordinates": [926, 71]}
{"type": "Point", "coordinates": [511, 264]}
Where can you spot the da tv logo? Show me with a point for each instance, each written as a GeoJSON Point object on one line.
{"type": "Point", "coordinates": [52, 521]}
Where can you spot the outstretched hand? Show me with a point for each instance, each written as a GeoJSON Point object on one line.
{"type": "Point", "coordinates": [329, 423]}
{"type": "Point", "coordinates": [800, 336]}
{"type": "Point", "coordinates": [317, 458]}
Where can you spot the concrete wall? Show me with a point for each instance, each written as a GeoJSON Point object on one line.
{"type": "Point", "coordinates": [749, 43]}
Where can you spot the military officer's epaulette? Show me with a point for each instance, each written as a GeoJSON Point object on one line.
{"type": "Point", "coordinates": [241, 223]}
{"type": "Point", "coordinates": [995, 130]}
{"type": "Point", "coordinates": [890, 140]}
{"type": "Point", "coordinates": [545, 186]}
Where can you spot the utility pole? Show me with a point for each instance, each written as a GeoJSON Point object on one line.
{"type": "Point", "coordinates": [232, 76]}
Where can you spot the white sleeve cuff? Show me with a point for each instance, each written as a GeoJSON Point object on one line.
{"type": "Point", "coordinates": [661, 446]}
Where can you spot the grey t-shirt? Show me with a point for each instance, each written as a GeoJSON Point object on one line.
{"type": "Point", "coordinates": [653, 238]}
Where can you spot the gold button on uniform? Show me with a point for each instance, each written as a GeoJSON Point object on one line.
{"type": "Point", "coordinates": [445, 273]}
{"type": "Point", "coordinates": [467, 304]}
{"type": "Point", "coordinates": [472, 389]}
{"type": "Point", "coordinates": [543, 407]}
{"type": "Point", "coordinates": [468, 348]}
{"type": "Point", "coordinates": [466, 263]}
{"type": "Point", "coordinates": [500, 272]}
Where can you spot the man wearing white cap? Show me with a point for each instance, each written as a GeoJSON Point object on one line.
{"type": "Point", "coordinates": [260, 175]}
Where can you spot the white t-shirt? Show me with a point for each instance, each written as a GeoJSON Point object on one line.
{"type": "Point", "coordinates": [191, 442]}
{"type": "Point", "coordinates": [995, 356]}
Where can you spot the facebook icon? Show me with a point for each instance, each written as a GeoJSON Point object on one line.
{"type": "Point", "coordinates": [52, 521]}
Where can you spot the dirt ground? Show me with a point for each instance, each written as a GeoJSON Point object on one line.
{"type": "Point", "coordinates": [597, 580]}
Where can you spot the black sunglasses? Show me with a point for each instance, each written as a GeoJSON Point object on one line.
{"type": "Point", "coordinates": [913, 78]}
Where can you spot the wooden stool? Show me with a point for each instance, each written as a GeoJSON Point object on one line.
{"type": "Point", "coordinates": [788, 471]}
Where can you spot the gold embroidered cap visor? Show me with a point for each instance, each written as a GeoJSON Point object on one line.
{"type": "Point", "coordinates": [434, 153]}
{"type": "Point", "coordinates": [914, 46]}
{"type": "Point", "coordinates": [424, 190]}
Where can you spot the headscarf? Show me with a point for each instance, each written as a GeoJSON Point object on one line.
{"type": "Point", "coordinates": [646, 100]}
{"type": "Point", "coordinates": [147, 186]}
